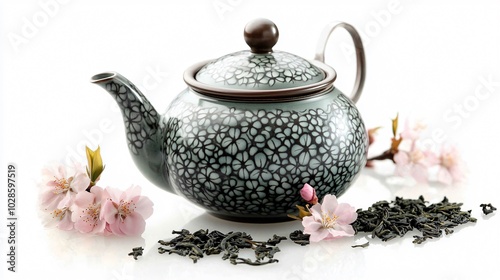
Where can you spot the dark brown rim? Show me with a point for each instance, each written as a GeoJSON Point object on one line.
{"type": "Point", "coordinates": [285, 94]}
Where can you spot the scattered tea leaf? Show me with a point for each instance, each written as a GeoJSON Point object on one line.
{"type": "Point", "coordinates": [488, 208]}
{"type": "Point", "coordinates": [275, 240]}
{"type": "Point", "coordinates": [298, 237]}
{"type": "Point", "coordinates": [364, 245]}
{"type": "Point", "coordinates": [136, 252]}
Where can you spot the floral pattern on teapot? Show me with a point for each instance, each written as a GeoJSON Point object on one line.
{"type": "Point", "coordinates": [274, 70]}
{"type": "Point", "coordinates": [241, 161]}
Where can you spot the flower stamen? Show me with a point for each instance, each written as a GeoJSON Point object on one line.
{"type": "Point", "coordinates": [448, 160]}
{"type": "Point", "coordinates": [328, 220]}
{"type": "Point", "coordinates": [125, 208]}
{"type": "Point", "coordinates": [62, 185]}
{"type": "Point", "coordinates": [416, 156]}
{"type": "Point", "coordinates": [59, 213]}
{"type": "Point", "coordinates": [91, 214]}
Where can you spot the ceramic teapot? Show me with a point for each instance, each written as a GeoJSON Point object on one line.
{"type": "Point", "coordinates": [250, 129]}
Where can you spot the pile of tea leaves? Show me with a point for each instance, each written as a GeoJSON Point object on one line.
{"type": "Point", "coordinates": [388, 220]}
{"type": "Point", "coordinates": [384, 220]}
{"type": "Point", "coordinates": [204, 242]}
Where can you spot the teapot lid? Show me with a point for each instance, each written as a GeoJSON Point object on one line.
{"type": "Point", "coordinates": [260, 74]}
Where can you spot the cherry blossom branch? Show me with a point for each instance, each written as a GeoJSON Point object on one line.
{"type": "Point", "coordinates": [415, 161]}
{"type": "Point", "coordinates": [71, 200]}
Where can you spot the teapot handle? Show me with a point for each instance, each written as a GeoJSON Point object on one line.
{"type": "Point", "coordinates": [360, 54]}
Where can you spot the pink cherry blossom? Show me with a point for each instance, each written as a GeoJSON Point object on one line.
{"type": "Point", "coordinates": [61, 184]}
{"type": "Point", "coordinates": [451, 166]}
{"type": "Point", "coordinates": [60, 217]}
{"type": "Point", "coordinates": [415, 163]}
{"type": "Point", "coordinates": [329, 220]}
{"type": "Point", "coordinates": [308, 193]}
{"type": "Point", "coordinates": [87, 213]}
{"type": "Point", "coordinates": [125, 212]}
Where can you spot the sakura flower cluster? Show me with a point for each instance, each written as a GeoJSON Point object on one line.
{"type": "Point", "coordinates": [412, 159]}
{"type": "Point", "coordinates": [71, 200]}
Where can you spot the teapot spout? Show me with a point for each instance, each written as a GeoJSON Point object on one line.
{"type": "Point", "coordinates": [142, 127]}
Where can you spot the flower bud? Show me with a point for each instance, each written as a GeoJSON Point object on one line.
{"type": "Point", "coordinates": [94, 165]}
{"type": "Point", "coordinates": [308, 193]}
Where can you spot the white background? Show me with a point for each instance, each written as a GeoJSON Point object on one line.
{"type": "Point", "coordinates": [438, 62]}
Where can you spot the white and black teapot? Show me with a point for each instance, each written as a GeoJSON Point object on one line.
{"type": "Point", "coordinates": [250, 129]}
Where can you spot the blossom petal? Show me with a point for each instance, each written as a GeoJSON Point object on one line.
{"type": "Point", "coordinates": [419, 173]}
{"type": "Point", "coordinates": [66, 202]}
{"type": "Point", "coordinates": [83, 199]}
{"type": "Point", "coordinates": [133, 225]}
{"type": "Point", "coordinates": [316, 211]}
{"type": "Point", "coordinates": [346, 214]}
{"type": "Point", "coordinates": [430, 158]}
{"type": "Point", "coordinates": [444, 176]}
{"type": "Point", "coordinates": [401, 158]}
{"type": "Point", "coordinates": [113, 194]}
{"type": "Point", "coordinates": [107, 230]}
{"type": "Point", "coordinates": [50, 200]}
{"type": "Point", "coordinates": [457, 173]}
{"type": "Point", "coordinates": [61, 171]}
{"type": "Point", "coordinates": [82, 226]}
{"type": "Point", "coordinates": [66, 223]}
{"type": "Point", "coordinates": [342, 230]}
{"type": "Point", "coordinates": [100, 227]}
{"type": "Point", "coordinates": [318, 235]}
{"type": "Point", "coordinates": [132, 191]}
{"type": "Point", "coordinates": [144, 206]}
{"type": "Point", "coordinates": [80, 182]}
{"type": "Point", "coordinates": [310, 224]}
{"type": "Point", "coordinates": [329, 204]}
{"type": "Point", "coordinates": [115, 228]}
{"type": "Point", "coordinates": [98, 192]}
{"type": "Point", "coordinates": [109, 213]}
{"type": "Point", "coordinates": [403, 166]}
{"type": "Point", "coordinates": [88, 224]}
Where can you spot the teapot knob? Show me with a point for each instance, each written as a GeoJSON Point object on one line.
{"type": "Point", "coordinates": [261, 35]}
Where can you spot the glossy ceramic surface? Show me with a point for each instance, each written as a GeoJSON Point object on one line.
{"type": "Point", "coordinates": [248, 161]}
